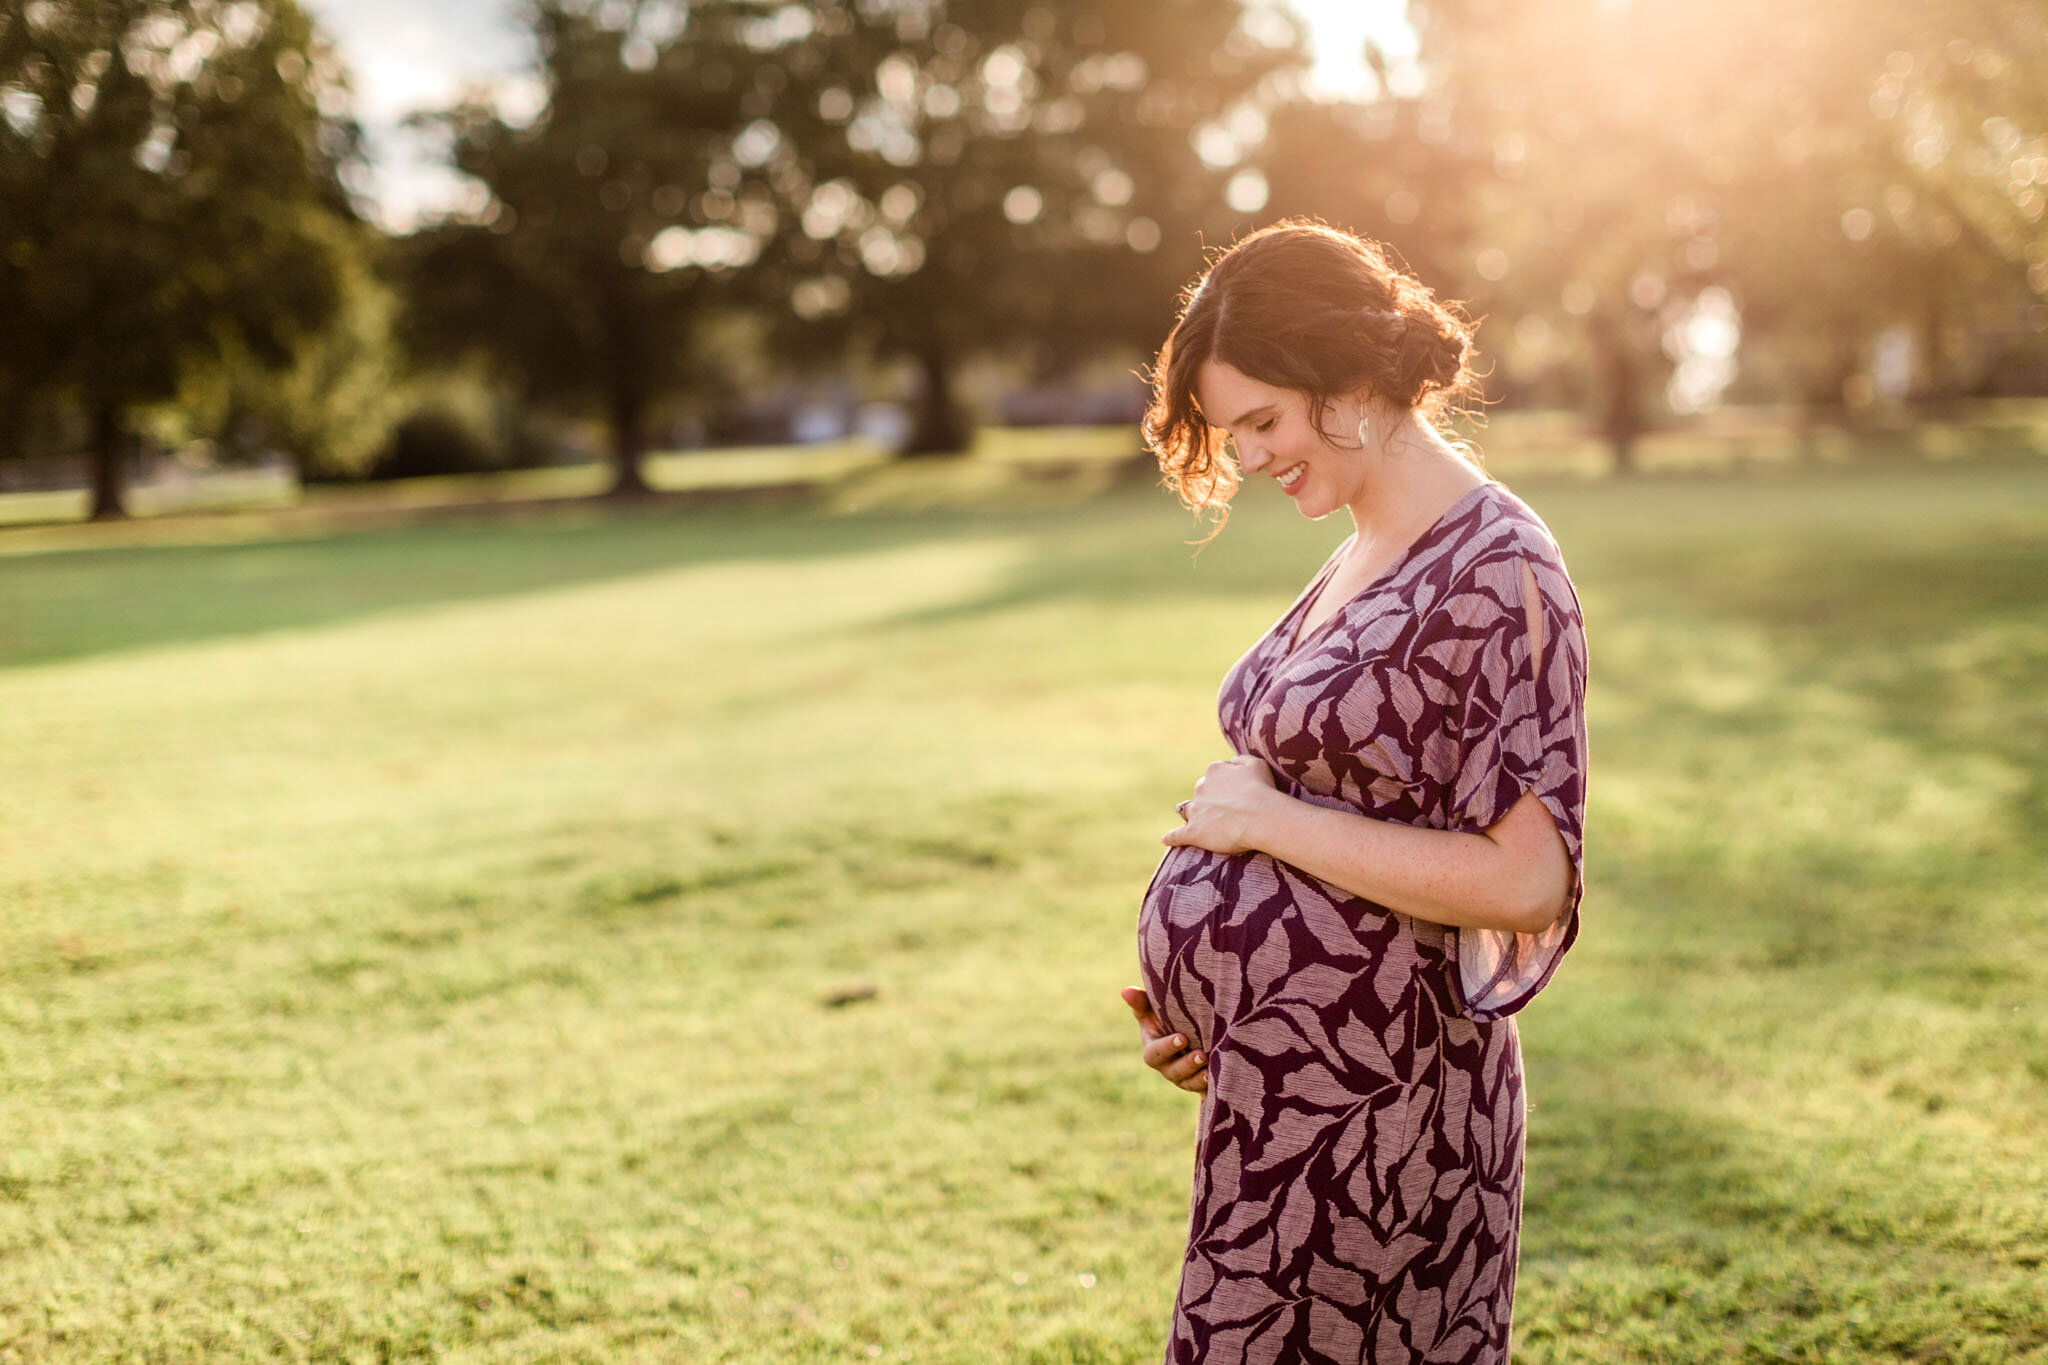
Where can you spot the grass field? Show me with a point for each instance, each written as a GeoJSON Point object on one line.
{"type": "Point", "coordinates": [422, 942]}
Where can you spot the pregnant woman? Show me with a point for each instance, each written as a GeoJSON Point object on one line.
{"type": "Point", "coordinates": [1389, 867]}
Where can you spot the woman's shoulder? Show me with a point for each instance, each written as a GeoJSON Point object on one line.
{"type": "Point", "coordinates": [1498, 541]}
{"type": "Point", "coordinates": [1501, 527]}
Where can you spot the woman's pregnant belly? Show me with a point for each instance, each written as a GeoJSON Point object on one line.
{"type": "Point", "coordinates": [1214, 926]}
{"type": "Point", "coordinates": [1183, 924]}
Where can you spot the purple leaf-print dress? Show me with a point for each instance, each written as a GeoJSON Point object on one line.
{"type": "Point", "coordinates": [1358, 1170]}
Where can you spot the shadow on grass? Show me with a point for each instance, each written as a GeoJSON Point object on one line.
{"type": "Point", "coordinates": [75, 603]}
{"type": "Point", "coordinates": [1129, 543]}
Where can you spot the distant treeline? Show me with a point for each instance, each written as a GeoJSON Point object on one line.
{"type": "Point", "coordinates": [1649, 205]}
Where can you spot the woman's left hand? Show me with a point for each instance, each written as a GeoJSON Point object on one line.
{"type": "Point", "coordinates": [1227, 802]}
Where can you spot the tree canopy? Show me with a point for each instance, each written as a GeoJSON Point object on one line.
{"type": "Point", "coordinates": [1035, 175]}
{"type": "Point", "coordinates": [1832, 169]}
{"type": "Point", "coordinates": [168, 171]}
{"type": "Point", "coordinates": [613, 220]}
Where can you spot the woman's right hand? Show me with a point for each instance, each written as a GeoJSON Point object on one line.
{"type": "Point", "coordinates": [1166, 1053]}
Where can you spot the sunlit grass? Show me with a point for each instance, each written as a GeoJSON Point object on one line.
{"type": "Point", "coordinates": [422, 942]}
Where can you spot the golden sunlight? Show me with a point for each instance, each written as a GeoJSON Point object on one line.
{"type": "Point", "coordinates": [1338, 31]}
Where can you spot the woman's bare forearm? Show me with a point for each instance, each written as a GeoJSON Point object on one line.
{"type": "Point", "coordinates": [1472, 880]}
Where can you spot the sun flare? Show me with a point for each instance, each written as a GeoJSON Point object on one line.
{"type": "Point", "coordinates": [1338, 31]}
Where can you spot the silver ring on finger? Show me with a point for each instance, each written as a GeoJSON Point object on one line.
{"type": "Point", "coordinates": [1182, 809]}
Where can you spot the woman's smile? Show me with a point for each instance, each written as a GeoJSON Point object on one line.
{"type": "Point", "coordinates": [1274, 431]}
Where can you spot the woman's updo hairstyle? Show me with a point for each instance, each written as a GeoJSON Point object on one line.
{"type": "Point", "coordinates": [1303, 306]}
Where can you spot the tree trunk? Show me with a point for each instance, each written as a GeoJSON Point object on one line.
{"type": "Point", "coordinates": [1621, 415]}
{"type": "Point", "coordinates": [939, 430]}
{"type": "Point", "coordinates": [1826, 402]}
{"type": "Point", "coordinates": [1806, 435]}
{"type": "Point", "coordinates": [109, 463]}
{"type": "Point", "coordinates": [629, 443]}
{"type": "Point", "coordinates": [1937, 390]}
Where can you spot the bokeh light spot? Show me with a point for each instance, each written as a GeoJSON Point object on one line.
{"type": "Point", "coordinates": [1023, 205]}
{"type": "Point", "coordinates": [1247, 192]}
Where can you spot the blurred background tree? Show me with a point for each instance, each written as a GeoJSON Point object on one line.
{"type": "Point", "coordinates": [1802, 178]}
{"type": "Point", "coordinates": [1963, 109]}
{"type": "Point", "coordinates": [1597, 216]}
{"type": "Point", "coordinates": [1389, 167]}
{"type": "Point", "coordinates": [611, 222]}
{"type": "Point", "coordinates": [1029, 177]}
{"type": "Point", "coordinates": [169, 198]}
{"type": "Point", "coordinates": [1869, 190]}
{"type": "Point", "coordinates": [338, 403]}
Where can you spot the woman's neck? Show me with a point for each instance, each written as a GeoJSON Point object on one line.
{"type": "Point", "coordinates": [1412, 476]}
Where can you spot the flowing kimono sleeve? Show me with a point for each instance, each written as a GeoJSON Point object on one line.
{"type": "Point", "coordinates": [1520, 726]}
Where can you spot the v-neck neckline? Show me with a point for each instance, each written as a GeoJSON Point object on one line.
{"type": "Point", "coordinates": [1295, 640]}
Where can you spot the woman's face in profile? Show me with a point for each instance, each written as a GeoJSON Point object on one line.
{"type": "Point", "coordinates": [1274, 435]}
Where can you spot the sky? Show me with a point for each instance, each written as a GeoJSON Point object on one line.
{"type": "Point", "coordinates": [405, 56]}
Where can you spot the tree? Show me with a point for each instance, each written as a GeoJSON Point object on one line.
{"type": "Point", "coordinates": [1601, 125]}
{"type": "Point", "coordinates": [336, 406]}
{"type": "Point", "coordinates": [1386, 167]}
{"type": "Point", "coordinates": [166, 177]}
{"type": "Point", "coordinates": [614, 219]}
{"type": "Point", "coordinates": [1943, 196]}
{"type": "Point", "coordinates": [1836, 166]}
{"type": "Point", "coordinates": [959, 178]}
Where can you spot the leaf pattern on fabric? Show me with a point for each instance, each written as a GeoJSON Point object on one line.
{"type": "Point", "coordinates": [1358, 1171]}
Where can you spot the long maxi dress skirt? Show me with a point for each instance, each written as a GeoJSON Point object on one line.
{"type": "Point", "coordinates": [1358, 1168]}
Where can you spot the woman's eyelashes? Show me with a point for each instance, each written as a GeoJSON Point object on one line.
{"type": "Point", "coordinates": [1258, 428]}
{"type": "Point", "coordinates": [1232, 444]}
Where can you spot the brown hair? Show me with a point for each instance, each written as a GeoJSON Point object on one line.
{"type": "Point", "coordinates": [1303, 306]}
